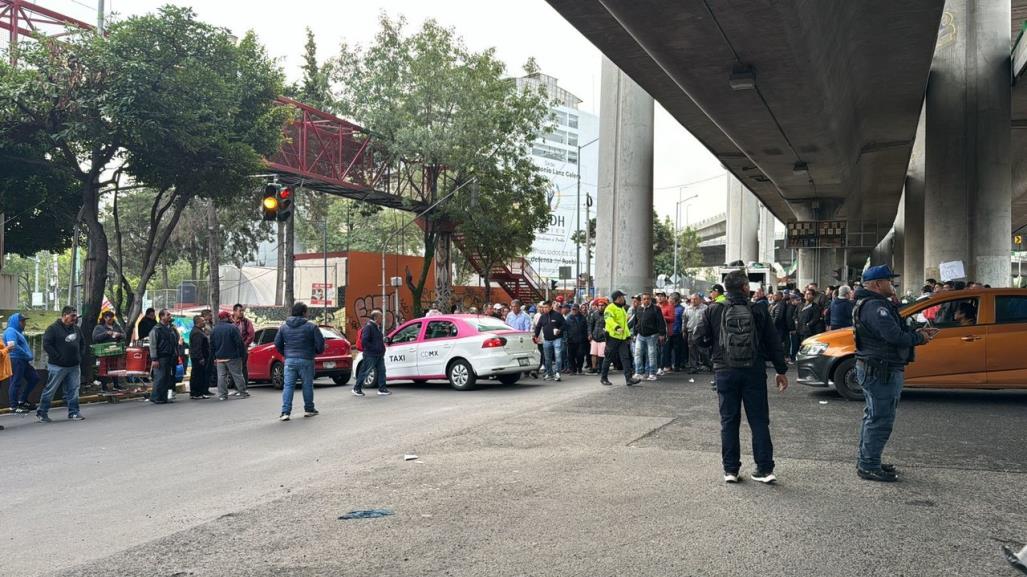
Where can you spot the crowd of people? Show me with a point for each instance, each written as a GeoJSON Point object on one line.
{"type": "Point", "coordinates": [217, 354]}
{"type": "Point", "coordinates": [659, 337]}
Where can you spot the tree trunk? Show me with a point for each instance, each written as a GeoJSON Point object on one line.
{"type": "Point", "coordinates": [290, 261]}
{"type": "Point", "coordinates": [488, 285]}
{"type": "Point", "coordinates": [280, 264]}
{"type": "Point", "coordinates": [152, 255]}
{"type": "Point", "coordinates": [417, 291]}
{"type": "Point", "coordinates": [213, 259]}
{"type": "Point", "coordinates": [443, 271]}
{"type": "Point", "coordinates": [95, 271]}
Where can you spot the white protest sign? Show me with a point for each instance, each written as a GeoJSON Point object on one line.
{"type": "Point", "coordinates": [951, 270]}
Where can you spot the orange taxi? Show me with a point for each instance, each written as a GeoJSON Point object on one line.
{"type": "Point", "coordinates": [980, 345]}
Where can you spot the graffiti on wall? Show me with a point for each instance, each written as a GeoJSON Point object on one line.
{"type": "Point", "coordinates": [362, 307]}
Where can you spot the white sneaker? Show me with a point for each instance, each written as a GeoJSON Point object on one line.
{"type": "Point", "coordinates": [284, 417]}
{"type": "Point", "coordinates": [638, 377]}
{"type": "Point", "coordinates": [730, 478]}
{"type": "Point", "coordinates": [767, 478]}
{"type": "Point", "coordinates": [651, 378]}
{"type": "Point", "coordinates": [557, 377]}
{"type": "Point", "coordinates": [660, 373]}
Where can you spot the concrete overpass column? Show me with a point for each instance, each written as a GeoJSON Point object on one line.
{"type": "Point", "coordinates": [913, 220]}
{"type": "Point", "coordinates": [624, 217]}
{"type": "Point", "coordinates": [743, 221]}
{"type": "Point", "coordinates": [968, 196]}
{"type": "Point", "coordinates": [767, 237]}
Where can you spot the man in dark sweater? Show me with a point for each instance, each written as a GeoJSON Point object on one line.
{"type": "Point", "coordinates": [372, 343]}
{"type": "Point", "coordinates": [201, 360]}
{"type": "Point", "coordinates": [163, 357]}
{"type": "Point", "coordinates": [228, 348]}
{"type": "Point", "coordinates": [64, 348]}
{"type": "Point", "coordinates": [299, 341]}
{"type": "Point", "coordinates": [743, 339]}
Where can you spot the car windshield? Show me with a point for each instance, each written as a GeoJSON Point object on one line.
{"type": "Point", "coordinates": [329, 333]}
{"type": "Point", "coordinates": [485, 326]}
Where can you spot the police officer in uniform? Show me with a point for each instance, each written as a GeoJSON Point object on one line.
{"type": "Point", "coordinates": [884, 346]}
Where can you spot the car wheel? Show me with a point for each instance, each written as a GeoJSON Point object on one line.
{"type": "Point", "coordinates": [510, 379]}
{"type": "Point", "coordinates": [341, 379]}
{"type": "Point", "coordinates": [369, 379]}
{"type": "Point", "coordinates": [461, 375]}
{"type": "Point", "coordinates": [845, 380]}
{"type": "Point", "coordinates": [278, 375]}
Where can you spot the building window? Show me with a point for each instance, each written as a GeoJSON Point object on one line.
{"type": "Point", "coordinates": [572, 156]}
{"type": "Point", "coordinates": [572, 139]}
{"type": "Point", "coordinates": [550, 152]}
{"type": "Point", "coordinates": [572, 120]}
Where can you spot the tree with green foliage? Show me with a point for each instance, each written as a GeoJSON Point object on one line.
{"type": "Point", "coordinates": [689, 253]}
{"type": "Point", "coordinates": [165, 100]}
{"type": "Point", "coordinates": [446, 115]}
{"type": "Point", "coordinates": [39, 202]}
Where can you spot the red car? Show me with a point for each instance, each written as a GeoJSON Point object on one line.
{"type": "Point", "coordinates": [265, 364]}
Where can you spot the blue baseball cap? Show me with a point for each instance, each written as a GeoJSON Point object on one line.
{"type": "Point", "coordinates": [879, 272]}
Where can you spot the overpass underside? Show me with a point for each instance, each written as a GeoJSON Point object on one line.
{"type": "Point", "coordinates": [814, 105]}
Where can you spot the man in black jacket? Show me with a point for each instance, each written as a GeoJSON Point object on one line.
{"type": "Point", "coordinates": [650, 333]}
{"type": "Point", "coordinates": [299, 341]}
{"type": "Point", "coordinates": [550, 326]}
{"type": "Point", "coordinates": [779, 315]}
{"type": "Point", "coordinates": [227, 346]}
{"type": "Point", "coordinates": [811, 317]}
{"type": "Point", "coordinates": [742, 338]}
{"type": "Point", "coordinates": [64, 348]}
{"type": "Point", "coordinates": [577, 339]}
{"type": "Point", "coordinates": [201, 360]}
{"type": "Point", "coordinates": [163, 357]}
{"type": "Point", "coordinates": [372, 344]}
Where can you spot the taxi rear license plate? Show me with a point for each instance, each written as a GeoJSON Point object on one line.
{"type": "Point", "coordinates": [523, 362]}
{"type": "Point", "coordinates": [329, 365]}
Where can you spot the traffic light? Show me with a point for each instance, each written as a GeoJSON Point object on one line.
{"type": "Point", "coordinates": [552, 285]}
{"type": "Point", "coordinates": [284, 203]}
{"type": "Point", "coordinates": [269, 205]}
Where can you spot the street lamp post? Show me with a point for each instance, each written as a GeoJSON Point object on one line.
{"type": "Point", "coordinates": [385, 244]}
{"type": "Point", "coordinates": [577, 269]}
{"type": "Point", "coordinates": [677, 228]}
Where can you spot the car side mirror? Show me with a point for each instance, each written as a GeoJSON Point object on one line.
{"type": "Point", "coordinates": [388, 340]}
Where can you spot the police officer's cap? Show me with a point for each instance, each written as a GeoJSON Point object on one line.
{"type": "Point", "coordinates": [879, 272]}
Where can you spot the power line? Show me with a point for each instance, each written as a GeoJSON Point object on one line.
{"type": "Point", "coordinates": [721, 175]}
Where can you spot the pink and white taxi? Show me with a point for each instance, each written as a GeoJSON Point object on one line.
{"type": "Point", "coordinates": [459, 348]}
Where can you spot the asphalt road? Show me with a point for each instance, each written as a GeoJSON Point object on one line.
{"type": "Point", "coordinates": [555, 479]}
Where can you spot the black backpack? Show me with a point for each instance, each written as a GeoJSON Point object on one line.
{"type": "Point", "coordinates": [738, 335]}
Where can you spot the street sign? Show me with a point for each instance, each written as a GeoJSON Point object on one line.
{"type": "Point", "coordinates": [817, 234]}
{"type": "Point", "coordinates": [565, 273]}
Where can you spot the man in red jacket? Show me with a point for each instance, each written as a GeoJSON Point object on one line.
{"type": "Point", "coordinates": [667, 350]}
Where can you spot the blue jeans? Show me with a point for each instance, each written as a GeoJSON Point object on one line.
{"type": "Point", "coordinates": [66, 378]}
{"type": "Point", "coordinates": [376, 362]}
{"type": "Point", "coordinates": [298, 369]}
{"type": "Point", "coordinates": [881, 389]}
{"type": "Point", "coordinates": [647, 349]}
{"type": "Point", "coordinates": [21, 369]}
{"type": "Point", "coordinates": [553, 351]}
{"type": "Point", "coordinates": [737, 388]}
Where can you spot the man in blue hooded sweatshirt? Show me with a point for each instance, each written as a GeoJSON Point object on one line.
{"type": "Point", "coordinates": [21, 365]}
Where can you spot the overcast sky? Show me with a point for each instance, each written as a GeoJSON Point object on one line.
{"type": "Point", "coordinates": [518, 30]}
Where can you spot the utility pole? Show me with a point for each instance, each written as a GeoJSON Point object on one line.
{"type": "Point", "coordinates": [100, 18]}
{"type": "Point", "coordinates": [577, 269]}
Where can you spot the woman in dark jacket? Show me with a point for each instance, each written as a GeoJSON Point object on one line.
{"type": "Point", "coordinates": [202, 360]}
{"type": "Point", "coordinates": [811, 317]}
